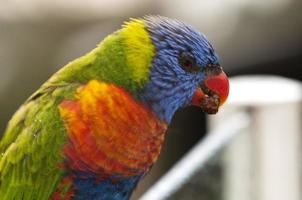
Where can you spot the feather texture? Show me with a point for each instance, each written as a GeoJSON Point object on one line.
{"type": "Point", "coordinates": [98, 125]}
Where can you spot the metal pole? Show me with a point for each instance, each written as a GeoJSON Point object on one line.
{"type": "Point", "coordinates": [196, 158]}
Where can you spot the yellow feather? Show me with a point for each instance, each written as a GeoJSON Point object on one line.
{"type": "Point", "coordinates": [139, 48]}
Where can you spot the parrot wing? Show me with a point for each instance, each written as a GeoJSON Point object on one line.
{"type": "Point", "coordinates": [31, 146]}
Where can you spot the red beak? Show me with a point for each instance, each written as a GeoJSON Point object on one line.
{"type": "Point", "coordinates": [213, 91]}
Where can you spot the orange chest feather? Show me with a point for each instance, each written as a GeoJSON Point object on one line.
{"type": "Point", "coordinates": [109, 132]}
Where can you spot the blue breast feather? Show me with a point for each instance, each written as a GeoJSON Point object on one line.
{"type": "Point", "coordinates": [88, 188]}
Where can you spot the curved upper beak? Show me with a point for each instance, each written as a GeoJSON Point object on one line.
{"type": "Point", "coordinates": [213, 91]}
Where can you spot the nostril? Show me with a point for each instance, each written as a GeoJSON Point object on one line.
{"type": "Point", "coordinates": [213, 70]}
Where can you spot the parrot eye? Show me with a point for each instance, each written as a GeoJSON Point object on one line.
{"type": "Point", "coordinates": [188, 62]}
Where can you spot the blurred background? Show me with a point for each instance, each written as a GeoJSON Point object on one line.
{"type": "Point", "coordinates": [37, 37]}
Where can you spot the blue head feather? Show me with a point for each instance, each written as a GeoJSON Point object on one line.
{"type": "Point", "coordinates": [170, 86]}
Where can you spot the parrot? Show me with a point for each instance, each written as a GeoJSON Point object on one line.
{"type": "Point", "coordinates": [97, 126]}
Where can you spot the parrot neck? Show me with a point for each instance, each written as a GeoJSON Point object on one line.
{"type": "Point", "coordinates": [123, 58]}
{"type": "Point", "coordinates": [164, 95]}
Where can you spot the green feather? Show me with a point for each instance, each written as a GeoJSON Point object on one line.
{"type": "Point", "coordinates": [31, 147]}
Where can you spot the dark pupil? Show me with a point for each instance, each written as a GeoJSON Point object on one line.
{"type": "Point", "coordinates": [188, 63]}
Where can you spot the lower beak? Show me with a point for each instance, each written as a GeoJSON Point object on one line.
{"type": "Point", "coordinates": [212, 92]}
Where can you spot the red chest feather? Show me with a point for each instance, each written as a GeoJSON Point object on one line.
{"type": "Point", "coordinates": [109, 132]}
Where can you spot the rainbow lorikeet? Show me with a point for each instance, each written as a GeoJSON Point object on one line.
{"type": "Point", "coordinates": [97, 125]}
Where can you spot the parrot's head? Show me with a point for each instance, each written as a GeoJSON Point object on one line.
{"type": "Point", "coordinates": [184, 68]}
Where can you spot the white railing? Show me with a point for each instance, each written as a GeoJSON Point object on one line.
{"type": "Point", "coordinates": [260, 132]}
{"type": "Point", "coordinates": [196, 158]}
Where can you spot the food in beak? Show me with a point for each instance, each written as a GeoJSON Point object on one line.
{"type": "Point", "coordinates": [212, 92]}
